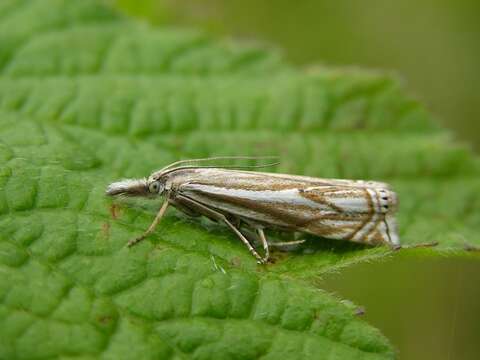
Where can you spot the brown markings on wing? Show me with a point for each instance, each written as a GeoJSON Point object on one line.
{"type": "Point", "coordinates": [315, 227]}
{"type": "Point", "coordinates": [371, 211]}
{"type": "Point", "coordinates": [264, 182]}
{"type": "Point", "coordinates": [377, 239]}
{"type": "Point", "coordinates": [317, 195]}
{"type": "Point", "coordinates": [244, 180]}
{"type": "Point", "coordinates": [298, 222]}
{"type": "Point", "coordinates": [278, 211]}
{"type": "Point", "coordinates": [295, 222]}
{"type": "Point", "coordinates": [251, 186]}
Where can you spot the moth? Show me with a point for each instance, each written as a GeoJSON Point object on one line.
{"type": "Point", "coordinates": [352, 210]}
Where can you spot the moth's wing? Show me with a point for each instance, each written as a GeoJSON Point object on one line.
{"type": "Point", "coordinates": [273, 208]}
{"type": "Point", "coordinates": [259, 181]}
{"type": "Point", "coordinates": [313, 181]}
{"type": "Point", "coordinates": [360, 214]}
{"type": "Point", "coordinates": [345, 211]}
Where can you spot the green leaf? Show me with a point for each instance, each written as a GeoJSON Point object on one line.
{"type": "Point", "coordinates": [88, 97]}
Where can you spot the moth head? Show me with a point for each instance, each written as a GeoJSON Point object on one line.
{"type": "Point", "coordinates": [129, 187]}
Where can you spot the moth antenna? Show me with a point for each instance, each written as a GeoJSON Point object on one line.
{"type": "Point", "coordinates": [163, 172]}
{"type": "Point", "coordinates": [219, 158]}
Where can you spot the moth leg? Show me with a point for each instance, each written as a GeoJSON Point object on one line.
{"type": "Point", "coordinates": [414, 246]}
{"type": "Point", "coordinates": [184, 208]}
{"type": "Point", "coordinates": [205, 210]}
{"type": "Point", "coordinates": [286, 243]}
{"type": "Point", "coordinates": [152, 226]}
{"type": "Point", "coordinates": [278, 244]}
{"type": "Point", "coordinates": [263, 239]}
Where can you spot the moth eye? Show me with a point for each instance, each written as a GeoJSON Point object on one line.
{"type": "Point", "coordinates": [153, 187]}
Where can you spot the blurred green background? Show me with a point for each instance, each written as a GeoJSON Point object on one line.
{"type": "Point", "coordinates": [428, 307]}
{"type": "Point", "coordinates": [433, 44]}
